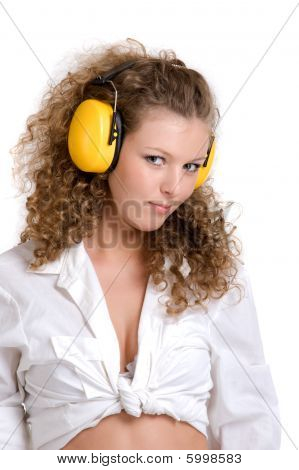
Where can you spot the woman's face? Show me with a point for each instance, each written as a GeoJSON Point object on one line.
{"type": "Point", "coordinates": [168, 177]}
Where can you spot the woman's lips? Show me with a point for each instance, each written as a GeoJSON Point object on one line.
{"type": "Point", "coordinates": [160, 209]}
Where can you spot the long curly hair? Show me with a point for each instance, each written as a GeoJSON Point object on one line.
{"type": "Point", "coordinates": [66, 203]}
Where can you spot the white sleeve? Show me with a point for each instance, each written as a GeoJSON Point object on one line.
{"type": "Point", "coordinates": [14, 432]}
{"type": "Point", "coordinates": [243, 408]}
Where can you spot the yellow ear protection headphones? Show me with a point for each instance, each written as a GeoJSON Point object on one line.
{"type": "Point", "coordinates": [96, 133]}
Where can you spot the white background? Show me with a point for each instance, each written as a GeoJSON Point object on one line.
{"type": "Point", "coordinates": [248, 51]}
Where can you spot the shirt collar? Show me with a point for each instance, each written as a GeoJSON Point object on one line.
{"type": "Point", "coordinates": [70, 259]}
{"type": "Point", "coordinates": [51, 267]}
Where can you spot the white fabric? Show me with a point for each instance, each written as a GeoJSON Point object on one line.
{"type": "Point", "coordinates": [60, 359]}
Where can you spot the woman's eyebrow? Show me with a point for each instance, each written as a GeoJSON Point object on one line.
{"type": "Point", "coordinates": [169, 154]}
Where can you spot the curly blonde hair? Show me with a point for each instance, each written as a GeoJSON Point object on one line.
{"type": "Point", "coordinates": [66, 203]}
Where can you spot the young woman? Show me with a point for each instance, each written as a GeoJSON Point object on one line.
{"type": "Point", "coordinates": [121, 216]}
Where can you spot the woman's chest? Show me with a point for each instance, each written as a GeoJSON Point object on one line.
{"type": "Point", "coordinates": [124, 297]}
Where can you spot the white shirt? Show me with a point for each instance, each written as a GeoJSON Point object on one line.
{"type": "Point", "coordinates": [60, 359]}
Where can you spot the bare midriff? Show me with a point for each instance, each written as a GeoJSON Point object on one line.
{"type": "Point", "coordinates": [124, 431]}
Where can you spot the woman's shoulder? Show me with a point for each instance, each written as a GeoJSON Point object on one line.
{"type": "Point", "coordinates": [18, 255]}
{"type": "Point", "coordinates": [13, 265]}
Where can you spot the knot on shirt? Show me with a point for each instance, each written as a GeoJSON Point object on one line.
{"type": "Point", "coordinates": [134, 402]}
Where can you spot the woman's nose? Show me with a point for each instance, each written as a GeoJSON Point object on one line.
{"type": "Point", "coordinates": [172, 181]}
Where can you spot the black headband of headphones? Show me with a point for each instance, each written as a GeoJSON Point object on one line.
{"type": "Point", "coordinates": [100, 80]}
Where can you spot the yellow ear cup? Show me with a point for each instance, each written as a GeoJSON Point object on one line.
{"type": "Point", "coordinates": [88, 137]}
{"type": "Point", "coordinates": [204, 170]}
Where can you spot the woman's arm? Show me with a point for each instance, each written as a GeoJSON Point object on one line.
{"type": "Point", "coordinates": [13, 430]}
{"type": "Point", "coordinates": [243, 408]}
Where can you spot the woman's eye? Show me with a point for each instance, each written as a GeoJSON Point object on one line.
{"type": "Point", "coordinates": [152, 156]}
{"type": "Point", "coordinates": [148, 157]}
{"type": "Point", "coordinates": [197, 165]}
